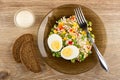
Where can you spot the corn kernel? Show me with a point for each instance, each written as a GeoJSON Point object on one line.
{"type": "Point", "coordinates": [93, 35]}
{"type": "Point", "coordinates": [73, 37]}
{"type": "Point", "coordinates": [64, 32]}
{"type": "Point", "coordinates": [61, 23]}
{"type": "Point", "coordinates": [71, 30]}
{"type": "Point", "coordinates": [65, 38]}
{"type": "Point", "coordinates": [55, 31]}
{"type": "Point", "coordinates": [90, 29]}
{"type": "Point", "coordinates": [87, 43]}
{"type": "Point", "coordinates": [74, 24]}
{"type": "Point", "coordinates": [83, 32]}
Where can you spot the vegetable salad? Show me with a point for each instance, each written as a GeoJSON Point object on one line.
{"type": "Point", "coordinates": [72, 34]}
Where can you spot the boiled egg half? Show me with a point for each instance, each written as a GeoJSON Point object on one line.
{"type": "Point", "coordinates": [69, 52]}
{"type": "Point", "coordinates": [54, 42]}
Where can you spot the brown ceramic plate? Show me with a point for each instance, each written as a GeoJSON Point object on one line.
{"type": "Point", "coordinates": [60, 64]}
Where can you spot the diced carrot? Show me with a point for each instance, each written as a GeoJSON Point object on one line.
{"type": "Point", "coordinates": [72, 18]}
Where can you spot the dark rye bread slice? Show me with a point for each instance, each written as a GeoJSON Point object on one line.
{"type": "Point", "coordinates": [29, 57]}
{"type": "Point", "coordinates": [17, 45]}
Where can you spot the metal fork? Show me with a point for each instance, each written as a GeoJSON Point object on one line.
{"type": "Point", "coordinates": [83, 24]}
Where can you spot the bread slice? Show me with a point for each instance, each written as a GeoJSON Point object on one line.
{"type": "Point", "coordinates": [28, 56]}
{"type": "Point", "coordinates": [17, 45]}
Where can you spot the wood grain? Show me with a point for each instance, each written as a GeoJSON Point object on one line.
{"type": "Point", "coordinates": [109, 12]}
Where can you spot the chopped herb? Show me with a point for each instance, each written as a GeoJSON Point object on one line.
{"type": "Point", "coordinates": [52, 29]}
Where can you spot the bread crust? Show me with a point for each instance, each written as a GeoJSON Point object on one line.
{"type": "Point", "coordinates": [28, 56]}
{"type": "Point", "coordinates": [17, 45]}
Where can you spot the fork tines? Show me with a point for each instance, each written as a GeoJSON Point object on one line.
{"type": "Point", "coordinates": [79, 16]}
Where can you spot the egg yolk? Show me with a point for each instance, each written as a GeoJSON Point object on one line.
{"type": "Point", "coordinates": [55, 45]}
{"type": "Point", "coordinates": [67, 52]}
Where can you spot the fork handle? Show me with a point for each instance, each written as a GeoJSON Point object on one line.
{"type": "Point", "coordinates": [100, 57]}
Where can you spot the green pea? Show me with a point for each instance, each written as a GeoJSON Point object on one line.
{"type": "Point", "coordinates": [93, 36]}
{"type": "Point", "coordinates": [81, 56]}
{"type": "Point", "coordinates": [69, 36]}
{"type": "Point", "coordinates": [82, 59]}
{"type": "Point", "coordinates": [52, 29]}
{"type": "Point", "coordinates": [73, 60]}
{"type": "Point", "coordinates": [58, 54]}
{"type": "Point", "coordinates": [83, 37]}
{"type": "Point", "coordinates": [64, 43]}
{"type": "Point", "coordinates": [62, 35]}
{"type": "Point", "coordinates": [51, 33]}
{"type": "Point", "coordinates": [78, 46]}
{"type": "Point", "coordinates": [74, 41]}
{"type": "Point", "coordinates": [59, 20]}
{"type": "Point", "coordinates": [89, 52]}
{"type": "Point", "coordinates": [53, 54]}
{"type": "Point", "coordinates": [55, 25]}
{"type": "Point", "coordinates": [90, 23]}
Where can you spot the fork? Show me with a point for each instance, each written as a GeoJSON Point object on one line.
{"type": "Point", "coordinates": [83, 24]}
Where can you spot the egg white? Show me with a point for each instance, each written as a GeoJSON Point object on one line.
{"type": "Point", "coordinates": [52, 38]}
{"type": "Point", "coordinates": [75, 52]}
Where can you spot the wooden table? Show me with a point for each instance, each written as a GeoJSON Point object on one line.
{"type": "Point", "coordinates": [109, 12]}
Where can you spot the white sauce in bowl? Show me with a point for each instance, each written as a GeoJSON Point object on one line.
{"type": "Point", "coordinates": [24, 18]}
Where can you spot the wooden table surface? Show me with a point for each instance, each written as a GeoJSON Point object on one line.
{"type": "Point", "coordinates": [109, 12]}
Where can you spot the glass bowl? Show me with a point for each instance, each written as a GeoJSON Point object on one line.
{"type": "Point", "coordinates": [61, 64]}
